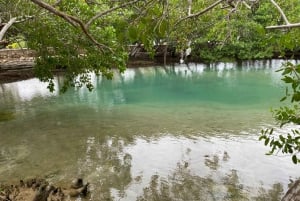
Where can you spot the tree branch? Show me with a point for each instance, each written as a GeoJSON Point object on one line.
{"type": "Point", "coordinates": [189, 7]}
{"type": "Point", "coordinates": [23, 19]}
{"type": "Point", "coordinates": [247, 5]}
{"type": "Point", "coordinates": [54, 11]}
{"type": "Point", "coordinates": [280, 11]}
{"type": "Point", "coordinates": [287, 23]}
{"type": "Point", "coordinates": [74, 21]}
{"type": "Point", "coordinates": [285, 26]}
{"type": "Point", "coordinates": [109, 11]}
{"type": "Point", "coordinates": [6, 27]}
{"type": "Point", "coordinates": [200, 12]}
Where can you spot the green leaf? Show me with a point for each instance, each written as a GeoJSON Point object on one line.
{"type": "Point", "coordinates": [267, 141]}
{"type": "Point", "coordinates": [282, 138]}
{"type": "Point", "coordinates": [288, 79]}
{"type": "Point", "coordinates": [294, 158]}
{"type": "Point", "coordinates": [297, 69]}
{"type": "Point", "coordinates": [283, 99]}
{"type": "Point", "coordinates": [261, 137]}
{"type": "Point", "coordinates": [132, 33]}
{"type": "Point", "coordinates": [296, 97]}
{"type": "Point", "coordinates": [281, 69]}
{"type": "Point", "coordinates": [287, 71]}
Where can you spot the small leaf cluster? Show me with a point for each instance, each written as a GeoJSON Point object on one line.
{"type": "Point", "coordinates": [287, 143]}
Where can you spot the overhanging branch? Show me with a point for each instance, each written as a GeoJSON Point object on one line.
{"type": "Point", "coordinates": [97, 16]}
{"type": "Point", "coordinates": [54, 11]}
{"type": "Point", "coordinates": [200, 12]}
{"type": "Point", "coordinates": [287, 23]}
{"type": "Point", "coordinates": [280, 11]}
{"type": "Point", "coordinates": [74, 21]}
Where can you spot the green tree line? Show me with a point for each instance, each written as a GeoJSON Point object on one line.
{"type": "Point", "coordinates": [84, 36]}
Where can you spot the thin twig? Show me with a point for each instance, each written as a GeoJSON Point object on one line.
{"type": "Point", "coordinates": [54, 11]}
{"type": "Point", "coordinates": [200, 12]}
{"type": "Point", "coordinates": [87, 25]}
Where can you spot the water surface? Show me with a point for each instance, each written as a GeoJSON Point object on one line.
{"type": "Point", "coordinates": [184, 132]}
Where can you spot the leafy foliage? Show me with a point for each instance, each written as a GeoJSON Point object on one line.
{"type": "Point", "coordinates": [287, 143]}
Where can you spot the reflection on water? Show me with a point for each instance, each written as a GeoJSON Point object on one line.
{"type": "Point", "coordinates": [183, 183]}
{"type": "Point", "coordinates": [106, 164]}
{"type": "Point", "coordinates": [165, 133]}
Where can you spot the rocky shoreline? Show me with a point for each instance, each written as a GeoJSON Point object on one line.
{"type": "Point", "coordinates": [41, 190]}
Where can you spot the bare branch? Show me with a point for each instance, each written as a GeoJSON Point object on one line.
{"type": "Point", "coordinates": [6, 27]}
{"type": "Point", "coordinates": [109, 11]}
{"type": "Point", "coordinates": [247, 5]}
{"type": "Point", "coordinates": [24, 18]}
{"type": "Point", "coordinates": [295, 25]}
{"type": "Point", "coordinates": [287, 23]}
{"type": "Point", "coordinates": [189, 7]}
{"type": "Point", "coordinates": [200, 12]}
{"type": "Point", "coordinates": [280, 11]}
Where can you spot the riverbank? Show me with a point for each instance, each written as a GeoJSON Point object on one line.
{"type": "Point", "coordinates": [17, 64]}
{"type": "Point", "coordinates": [21, 70]}
{"type": "Point", "coordinates": [20, 67]}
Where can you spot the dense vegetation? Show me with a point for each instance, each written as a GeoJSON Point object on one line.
{"type": "Point", "coordinates": [82, 36]}
{"type": "Point", "coordinates": [92, 36]}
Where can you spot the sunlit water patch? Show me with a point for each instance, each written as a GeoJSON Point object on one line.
{"type": "Point", "coordinates": [164, 133]}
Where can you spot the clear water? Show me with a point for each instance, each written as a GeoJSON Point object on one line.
{"type": "Point", "coordinates": [164, 133]}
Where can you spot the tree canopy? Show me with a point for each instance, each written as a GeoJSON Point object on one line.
{"type": "Point", "coordinates": [83, 36]}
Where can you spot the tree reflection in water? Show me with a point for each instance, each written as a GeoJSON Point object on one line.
{"type": "Point", "coordinates": [184, 185]}
{"type": "Point", "coordinates": [107, 165]}
{"type": "Point", "coordinates": [273, 194]}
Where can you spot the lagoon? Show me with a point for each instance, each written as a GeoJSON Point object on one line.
{"type": "Point", "coordinates": [180, 132]}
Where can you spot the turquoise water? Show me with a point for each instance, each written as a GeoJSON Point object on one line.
{"type": "Point", "coordinates": [155, 133]}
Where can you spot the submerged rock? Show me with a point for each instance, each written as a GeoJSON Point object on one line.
{"type": "Point", "coordinates": [40, 190]}
{"type": "Point", "coordinates": [82, 191]}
